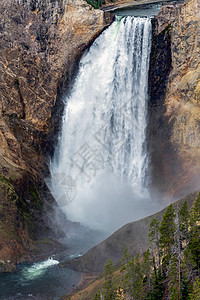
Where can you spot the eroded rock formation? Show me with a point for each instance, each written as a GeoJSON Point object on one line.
{"type": "Point", "coordinates": [175, 99]}
{"type": "Point", "coordinates": [40, 44]}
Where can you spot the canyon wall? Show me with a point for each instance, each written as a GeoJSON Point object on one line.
{"type": "Point", "coordinates": [40, 45]}
{"type": "Point", "coordinates": [174, 104]}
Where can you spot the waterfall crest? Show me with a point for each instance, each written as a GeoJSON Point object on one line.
{"type": "Point", "coordinates": [102, 147]}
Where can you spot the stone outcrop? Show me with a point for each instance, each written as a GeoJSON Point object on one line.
{"type": "Point", "coordinates": [40, 45]}
{"type": "Point", "coordinates": [174, 105]}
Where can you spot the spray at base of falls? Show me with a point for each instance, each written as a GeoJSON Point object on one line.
{"type": "Point", "coordinates": [38, 269]}
{"type": "Point", "coordinates": [99, 170]}
{"type": "Point", "coordinates": [40, 280]}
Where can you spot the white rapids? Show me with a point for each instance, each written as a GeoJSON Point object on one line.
{"type": "Point", "coordinates": [99, 170]}
{"type": "Point", "coordinates": [38, 269]}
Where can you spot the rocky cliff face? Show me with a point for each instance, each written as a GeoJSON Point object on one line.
{"type": "Point", "coordinates": [174, 129]}
{"type": "Point", "coordinates": [40, 44]}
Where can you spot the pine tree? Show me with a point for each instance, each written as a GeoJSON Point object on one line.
{"type": "Point", "coordinates": [192, 252]}
{"type": "Point", "coordinates": [128, 273]}
{"type": "Point", "coordinates": [154, 237]}
{"type": "Point", "coordinates": [97, 296]}
{"type": "Point", "coordinates": [173, 277]}
{"type": "Point", "coordinates": [195, 295]}
{"type": "Point", "coordinates": [125, 259]}
{"type": "Point", "coordinates": [195, 212]}
{"type": "Point", "coordinates": [132, 279]}
{"type": "Point", "coordinates": [138, 279]}
{"type": "Point", "coordinates": [167, 232]}
{"type": "Point", "coordinates": [147, 267]}
{"type": "Point", "coordinates": [184, 223]}
{"type": "Point", "coordinates": [158, 286]}
{"type": "Point", "coordinates": [109, 288]}
{"type": "Point", "coordinates": [184, 289]}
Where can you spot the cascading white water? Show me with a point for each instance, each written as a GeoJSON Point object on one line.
{"type": "Point", "coordinates": [99, 168]}
{"type": "Point", "coordinates": [37, 269]}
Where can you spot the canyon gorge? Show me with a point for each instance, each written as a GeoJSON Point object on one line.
{"type": "Point", "coordinates": [41, 45]}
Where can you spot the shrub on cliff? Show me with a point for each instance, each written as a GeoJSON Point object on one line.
{"type": "Point", "coordinates": [96, 3]}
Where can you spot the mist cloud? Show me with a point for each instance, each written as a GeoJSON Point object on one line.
{"type": "Point", "coordinates": [109, 203]}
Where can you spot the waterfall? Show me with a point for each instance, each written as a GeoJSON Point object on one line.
{"type": "Point", "coordinates": [99, 170]}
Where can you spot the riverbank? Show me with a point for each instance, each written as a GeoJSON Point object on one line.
{"type": "Point", "coordinates": [41, 250]}
{"type": "Point", "coordinates": [89, 286]}
{"type": "Point", "coordinates": [87, 279]}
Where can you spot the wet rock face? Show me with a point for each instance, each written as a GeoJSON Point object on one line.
{"type": "Point", "coordinates": [175, 121]}
{"type": "Point", "coordinates": [40, 45]}
{"type": "Point", "coordinates": [160, 67]}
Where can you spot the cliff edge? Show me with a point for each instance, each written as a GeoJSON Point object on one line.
{"type": "Point", "coordinates": [174, 104]}
{"type": "Point", "coordinates": [40, 45]}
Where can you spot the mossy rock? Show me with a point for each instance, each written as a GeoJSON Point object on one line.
{"type": "Point", "coordinates": [8, 189]}
{"type": "Point", "coordinates": [35, 197]}
{"type": "Point", "coordinates": [95, 3]}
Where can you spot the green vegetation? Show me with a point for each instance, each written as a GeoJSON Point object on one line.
{"type": "Point", "coordinates": [97, 296]}
{"type": "Point", "coordinates": [16, 213]}
{"type": "Point", "coordinates": [35, 196]}
{"type": "Point", "coordinates": [109, 286]}
{"type": "Point", "coordinates": [10, 194]}
{"type": "Point", "coordinates": [96, 3]}
{"type": "Point", "coordinates": [195, 295]}
{"type": "Point", "coordinates": [169, 269]}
